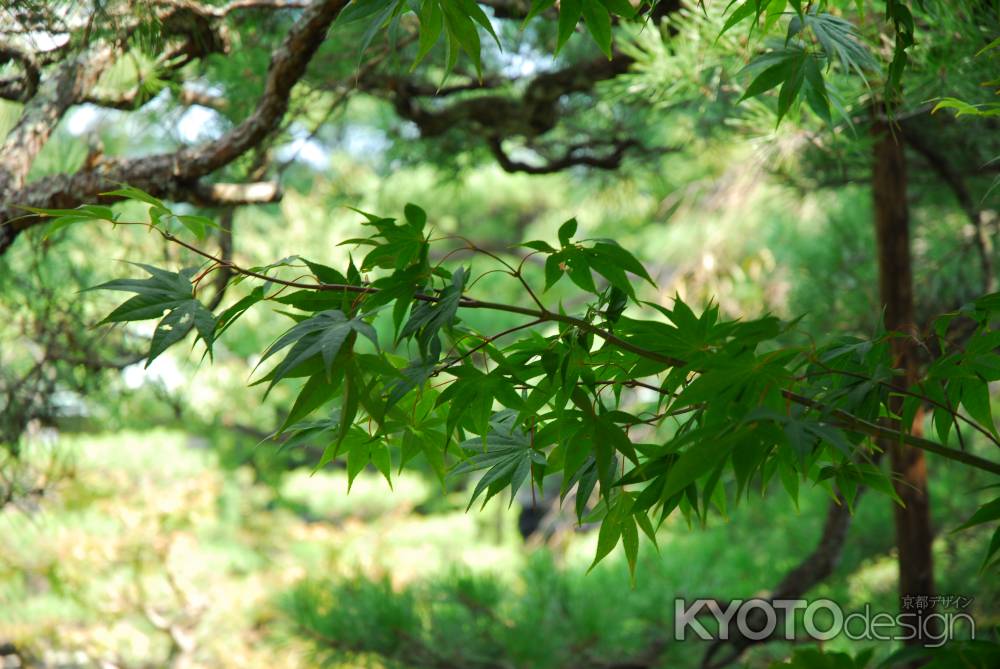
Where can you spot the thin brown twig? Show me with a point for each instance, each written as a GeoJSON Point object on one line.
{"type": "Point", "coordinates": [956, 416]}
{"type": "Point", "coordinates": [846, 420]}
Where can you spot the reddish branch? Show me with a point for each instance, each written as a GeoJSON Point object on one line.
{"type": "Point", "coordinates": [812, 570]}
{"type": "Point", "coordinates": [836, 417]}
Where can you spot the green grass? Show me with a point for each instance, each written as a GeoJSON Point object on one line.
{"type": "Point", "coordinates": [306, 575]}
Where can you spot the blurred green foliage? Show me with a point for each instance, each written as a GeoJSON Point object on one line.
{"type": "Point", "coordinates": [156, 525]}
{"type": "Point", "coordinates": [149, 550]}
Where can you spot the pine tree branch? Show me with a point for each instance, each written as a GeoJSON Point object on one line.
{"type": "Point", "coordinates": [168, 175]}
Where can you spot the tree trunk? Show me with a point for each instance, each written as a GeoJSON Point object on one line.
{"type": "Point", "coordinates": [913, 526]}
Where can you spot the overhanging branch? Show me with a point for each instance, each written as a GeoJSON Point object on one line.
{"type": "Point", "coordinates": [22, 88]}
{"type": "Point", "coordinates": [581, 154]}
{"type": "Point", "coordinates": [169, 175]}
{"type": "Point", "coordinates": [235, 5]}
{"type": "Point", "coordinates": [43, 112]}
{"type": "Point", "coordinates": [941, 165]}
{"type": "Point", "coordinates": [837, 417]}
{"type": "Point", "coordinates": [531, 114]}
{"type": "Point", "coordinates": [226, 194]}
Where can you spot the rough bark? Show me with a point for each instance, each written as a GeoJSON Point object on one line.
{"type": "Point", "coordinates": [43, 112]}
{"type": "Point", "coordinates": [19, 88]}
{"type": "Point", "coordinates": [226, 195]}
{"type": "Point", "coordinates": [914, 536]}
{"type": "Point", "coordinates": [529, 113]}
{"type": "Point", "coordinates": [171, 175]}
{"type": "Point", "coordinates": [913, 530]}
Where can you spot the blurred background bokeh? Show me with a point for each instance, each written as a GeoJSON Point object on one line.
{"type": "Point", "coordinates": [146, 520]}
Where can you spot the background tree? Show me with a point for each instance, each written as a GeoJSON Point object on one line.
{"type": "Point", "coordinates": [561, 118]}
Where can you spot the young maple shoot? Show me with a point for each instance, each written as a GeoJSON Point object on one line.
{"type": "Point", "coordinates": [732, 409]}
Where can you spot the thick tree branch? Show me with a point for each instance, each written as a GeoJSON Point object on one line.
{"type": "Point", "coordinates": [227, 195]}
{"type": "Point", "coordinates": [171, 175]}
{"type": "Point", "coordinates": [236, 5]}
{"type": "Point", "coordinates": [393, 85]}
{"type": "Point", "coordinates": [190, 96]}
{"type": "Point", "coordinates": [533, 113]}
{"type": "Point", "coordinates": [498, 116]}
{"type": "Point", "coordinates": [19, 89]}
{"type": "Point", "coordinates": [44, 111]}
{"type": "Point", "coordinates": [943, 168]}
{"type": "Point", "coordinates": [135, 99]}
{"type": "Point", "coordinates": [192, 30]}
{"type": "Point", "coordinates": [576, 155]}
{"type": "Point", "coordinates": [16, 89]}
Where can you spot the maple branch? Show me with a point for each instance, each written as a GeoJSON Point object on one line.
{"type": "Point", "coordinates": [844, 419]}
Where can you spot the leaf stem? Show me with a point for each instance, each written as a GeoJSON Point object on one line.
{"type": "Point", "coordinates": [848, 421]}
